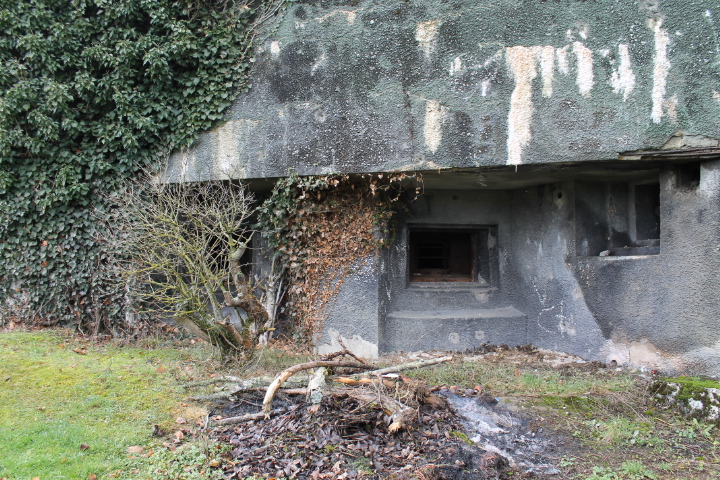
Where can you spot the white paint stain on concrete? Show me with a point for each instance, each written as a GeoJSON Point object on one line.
{"type": "Point", "coordinates": [432, 130]}
{"type": "Point", "coordinates": [426, 36]}
{"type": "Point", "coordinates": [546, 57]}
{"type": "Point", "coordinates": [185, 159]}
{"type": "Point", "coordinates": [623, 78]}
{"type": "Point", "coordinates": [562, 62]}
{"type": "Point", "coordinates": [521, 62]}
{"type": "Point", "coordinates": [496, 57]}
{"type": "Point", "coordinates": [318, 63]}
{"type": "Point", "coordinates": [671, 105]}
{"type": "Point", "coordinates": [661, 68]}
{"type": "Point", "coordinates": [583, 30]}
{"type": "Point", "coordinates": [485, 87]}
{"type": "Point", "coordinates": [350, 16]}
{"type": "Point", "coordinates": [585, 79]}
{"type": "Point", "coordinates": [231, 138]}
{"type": "Point", "coordinates": [275, 49]}
{"type": "Point", "coordinates": [227, 148]}
{"type": "Point", "coordinates": [716, 96]}
{"type": "Point", "coordinates": [456, 66]}
{"type": "Point", "coordinates": [357, 345]}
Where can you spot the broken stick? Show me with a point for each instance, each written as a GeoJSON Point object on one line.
{"type": "Point", "coordinates": [246, 417]}
{"type": "Point", "coordinates": [407, 366]}
{"type": "Point", "coordinates": [400, 414]}
{"type": "Point", "coordinates": [316, 387]}
{"type": "Point", "coordinates": [289, 372]}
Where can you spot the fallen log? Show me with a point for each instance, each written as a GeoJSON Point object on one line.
{"type": "Point", "coordinates": [354, 382]}
{"type": "Point", "coordinates": [210, 381]}
{"type": "Point", "coordinates": [211, 397]}
{"type": "Point", "coordinates": [289, 372]}
{"type": "Point", "coordinates": [226, 395]}
{"type": "Point", "coordinates": [244, 387]}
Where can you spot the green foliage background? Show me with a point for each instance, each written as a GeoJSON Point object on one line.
{"type": "Point", "coordinates": [93, 91]}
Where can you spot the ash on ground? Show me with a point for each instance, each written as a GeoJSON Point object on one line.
{"type": "Point", "coordinates": [495, 428]}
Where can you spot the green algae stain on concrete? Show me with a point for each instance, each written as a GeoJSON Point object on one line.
{"type": "Point", "coordinates": [366, 86]}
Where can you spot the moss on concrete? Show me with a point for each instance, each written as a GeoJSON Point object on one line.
{"type": "Point", "coordinates": [696, 397]}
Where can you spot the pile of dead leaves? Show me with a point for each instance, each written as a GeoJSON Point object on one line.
{"type": "Point", "coordinates": [372, 424]}
{"type": "Point", "coordinates": [347, 439]}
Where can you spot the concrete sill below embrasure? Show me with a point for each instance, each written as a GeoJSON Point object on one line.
{"type": "Point", "coordinates": [454, 329]}
{"type": "Point", "coordinates": [462, 314]}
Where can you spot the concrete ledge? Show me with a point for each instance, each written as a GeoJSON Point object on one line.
{"type": "Point", "coordinates": [454, 329]}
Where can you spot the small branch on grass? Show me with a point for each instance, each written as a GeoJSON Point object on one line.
{"type": "Point", "coordinates": [223, 379]}
{"type": "Point", "coordinates": [211, 397]}
{"type": "Point", "coordinates": [340, 353]}
{"type": "Point", "coordinates": [344, 351]}
{"type": "Point", "coordinates": [247, 416]}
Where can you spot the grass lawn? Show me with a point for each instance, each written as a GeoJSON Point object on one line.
{"type": "Point", "coordinates": [70, 409]}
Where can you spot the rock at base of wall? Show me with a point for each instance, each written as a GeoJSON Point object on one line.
{"type": "Point", "coordinates": [695, 397]}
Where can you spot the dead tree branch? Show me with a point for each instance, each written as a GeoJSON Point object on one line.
{"type": "Point", "coordinates": [407, 366]}
{"type": "Point", "coordinates": [289, 372]}
{"type": "Point", "coordinates": [247, 416]}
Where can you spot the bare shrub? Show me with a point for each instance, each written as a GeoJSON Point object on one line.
{"type": "Point", "coordinates": [182, 246]}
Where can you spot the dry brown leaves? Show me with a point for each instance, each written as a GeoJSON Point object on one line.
{"type": "Point", "coordinates": [347, 439]}
{"type": "Point", "coordinates": [333, 235]}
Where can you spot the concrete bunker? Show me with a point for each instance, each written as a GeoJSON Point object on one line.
{"type": "Point", "coordinates": [570, 157]}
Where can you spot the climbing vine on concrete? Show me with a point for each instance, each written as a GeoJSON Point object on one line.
{"type": "Point", "coordinates": [91, 91]}
{"type": "Point", "coordinates": [323, 228]}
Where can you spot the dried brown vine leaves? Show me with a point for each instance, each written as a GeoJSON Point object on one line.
{"type": "Point", "coordinates": [330, 227]}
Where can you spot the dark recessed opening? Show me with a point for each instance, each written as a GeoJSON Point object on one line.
{"type": "Point", "coordinates": [441, 255]}
{"type": "Point", "coordinates": [688, 176]}
{"type": "Point", "coordinates": [647, 211]}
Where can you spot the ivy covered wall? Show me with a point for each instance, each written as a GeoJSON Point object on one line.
{"type": "Point", "coordinates": [92, 91]}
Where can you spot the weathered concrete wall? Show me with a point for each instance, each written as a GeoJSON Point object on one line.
{"type": "Point", "coordinates": [663, 310]}
{"type": "Point", "coordinates": [360, 86]}
{"type": "Point", "coordinates": [363, 86]}
{"type": "Point", "coordinates": [534, 247]}
{"type": "Point", "coordinates": [549, 289]}
{"type": "Point", "coordinates": [537, 265]}
{"type": "Point", "coordinates": [453, 316]}
{"type": "Point", "coordinates": [354, 313]}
